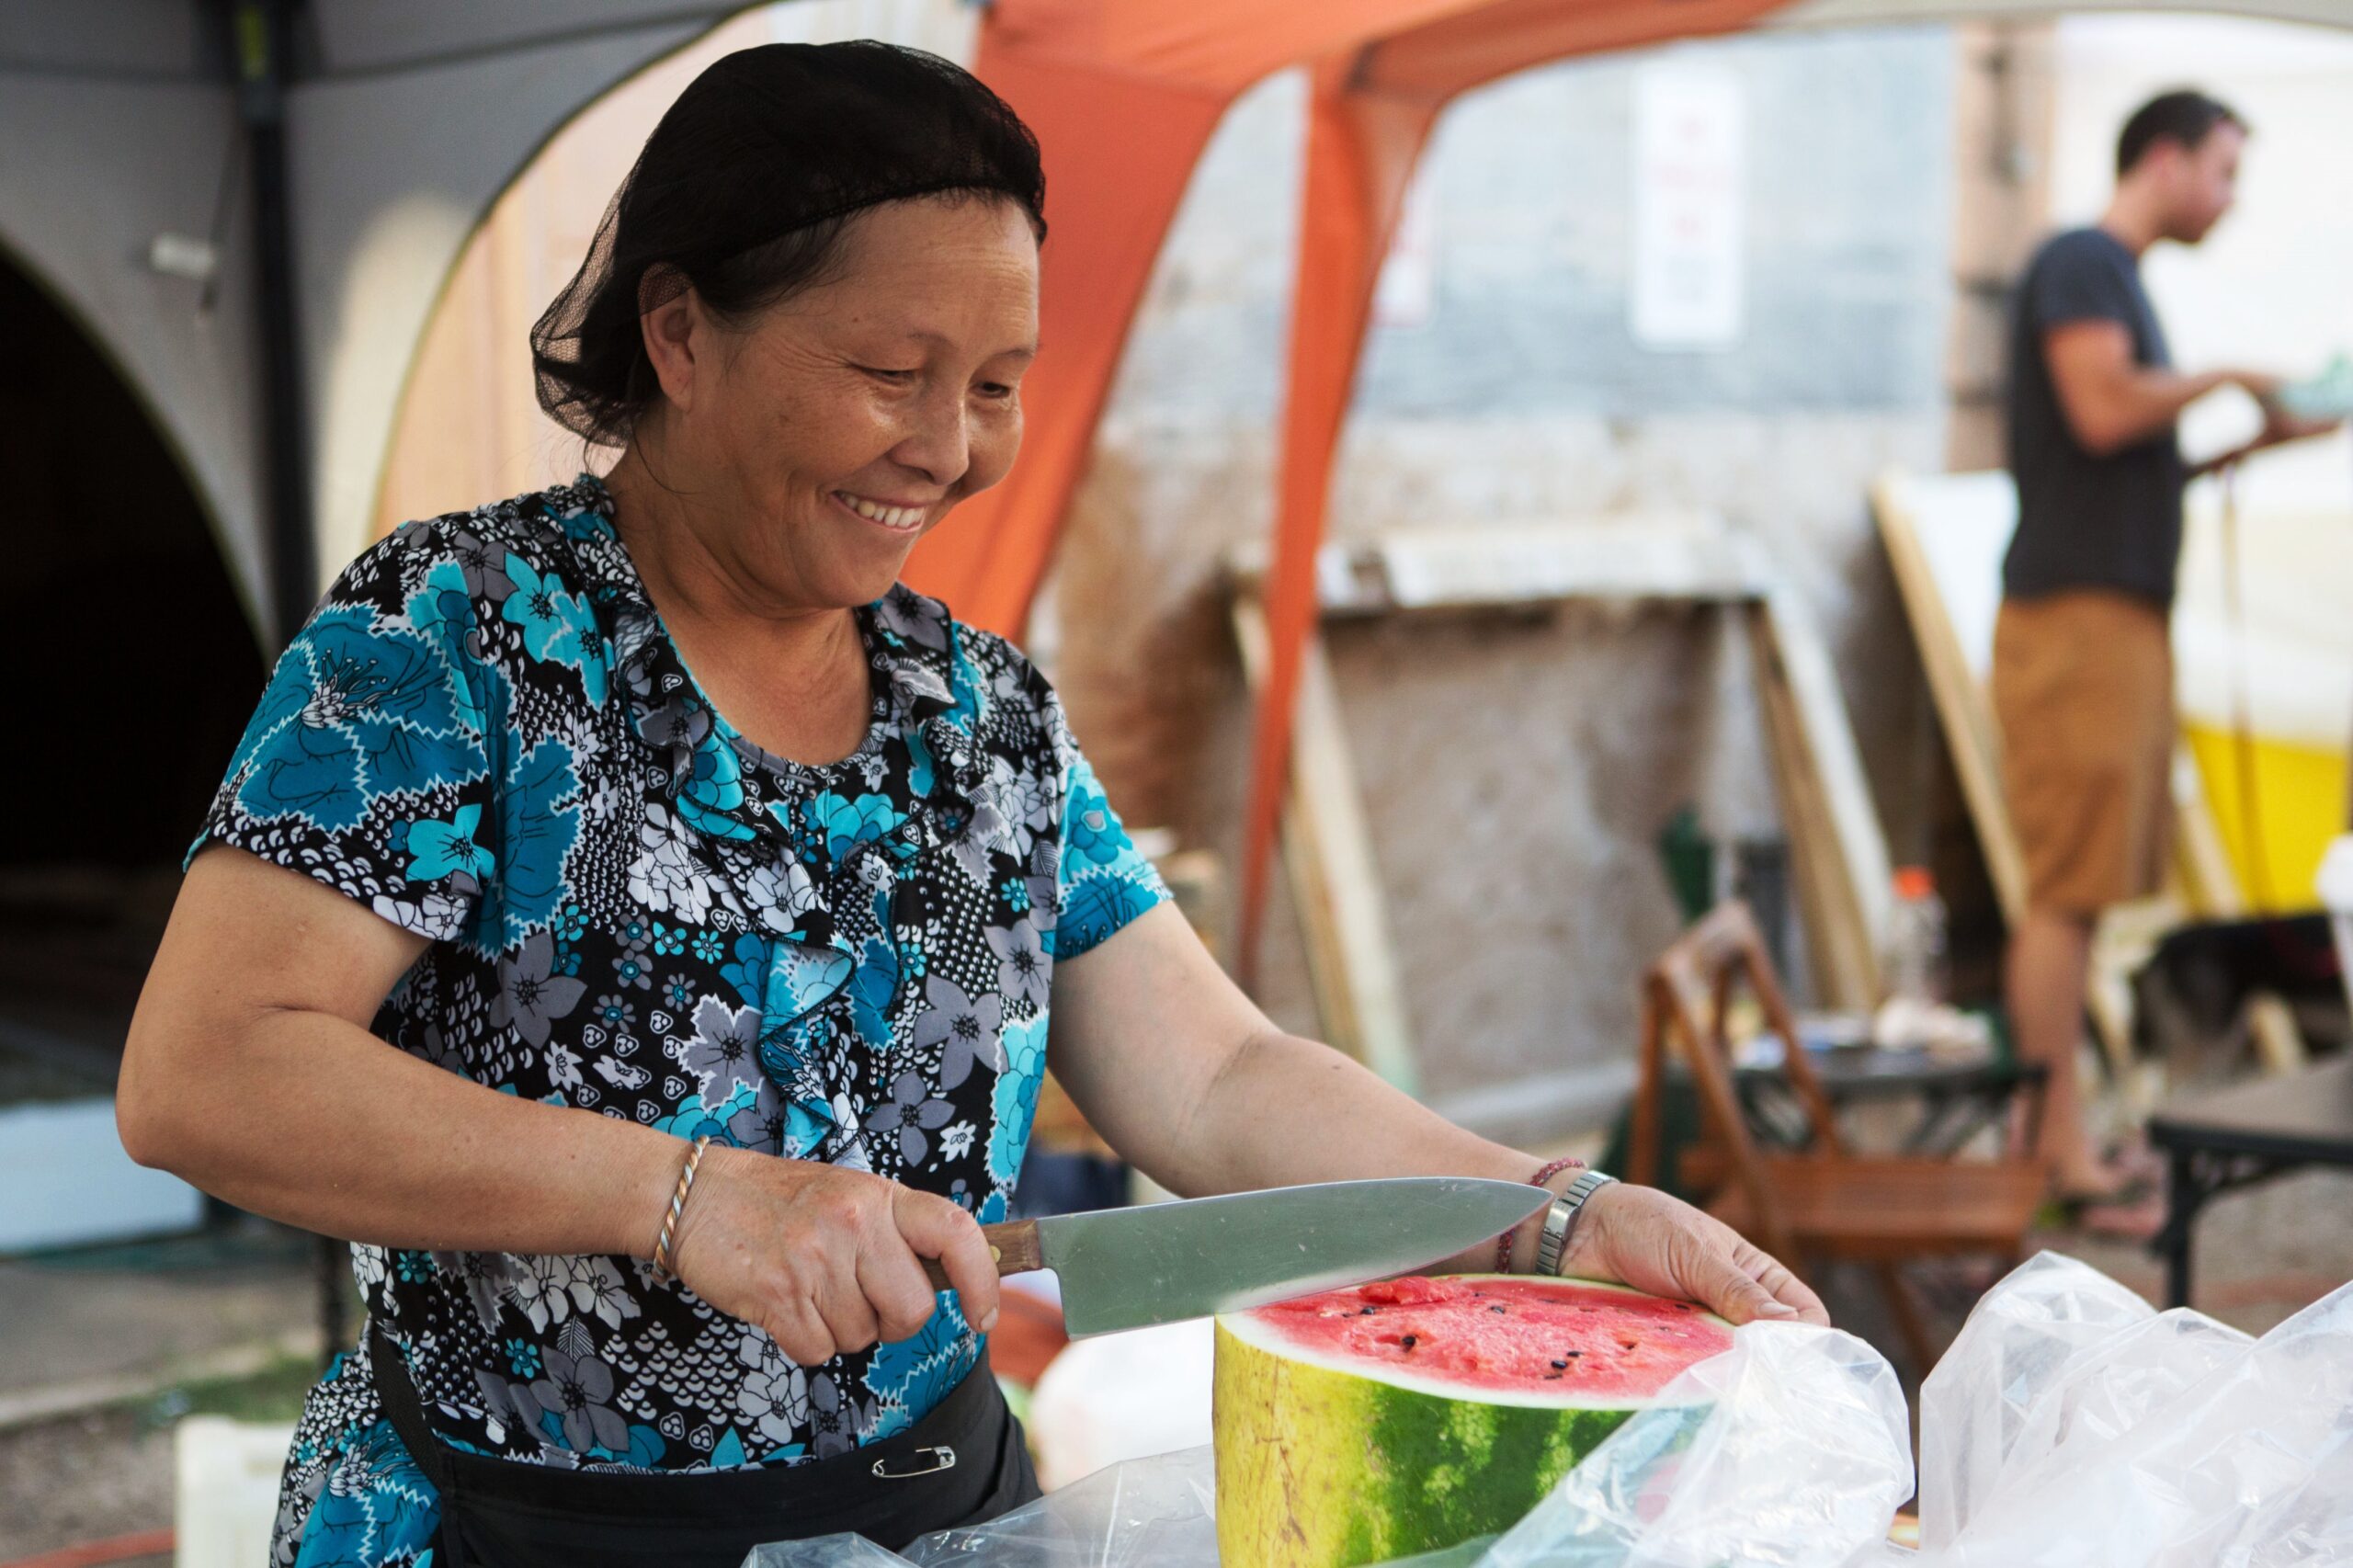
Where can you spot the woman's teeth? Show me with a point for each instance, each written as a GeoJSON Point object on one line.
{"type": "Point", "coordinates": [875, 512]}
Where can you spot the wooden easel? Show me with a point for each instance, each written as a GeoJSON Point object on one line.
{"type": "Point", "coordinates": [1838, 851]}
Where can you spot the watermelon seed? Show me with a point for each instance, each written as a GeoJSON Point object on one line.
{"type": "Point", "coordinates": [1572, 1355]}
{"type": "Point", "coordinates": [1367, 1311]}
{"type": "Point", "coordinates": [1409, 1342]}
{"type": "Point", "coordinates": [1504, 1310]}
{"type": "Point", "coordinates": [1560, 1366]}
{"type": "Point", "coordinates": [1552, 1377]}
{"type": "Point", "coordinates": [1625, 1344]}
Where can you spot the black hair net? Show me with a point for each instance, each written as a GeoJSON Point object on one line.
{"type": "Point", "coordinates": [769, 144]}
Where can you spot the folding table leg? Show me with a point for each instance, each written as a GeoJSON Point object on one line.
{"type": "Point", "coordinates": [2184, 1194]}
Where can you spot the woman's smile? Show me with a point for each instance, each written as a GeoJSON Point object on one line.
{"type": "Point", "coordinates": [896, 518]}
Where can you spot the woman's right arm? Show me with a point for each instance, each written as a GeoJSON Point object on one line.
{"type": "Point", "coordinates": [250, 1073]}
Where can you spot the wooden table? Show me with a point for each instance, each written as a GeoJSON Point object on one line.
{"type": "Point", "coordinates": [2230, 1137]}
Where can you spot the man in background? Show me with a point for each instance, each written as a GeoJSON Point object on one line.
{"type": "Point", "coordinates": [2083, 667]}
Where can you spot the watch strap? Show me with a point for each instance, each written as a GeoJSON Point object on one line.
{"type": "Point", "coordinates": [1559, 1220]}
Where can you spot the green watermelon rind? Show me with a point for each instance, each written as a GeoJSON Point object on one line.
{"type": "Point", "coordinates": [1324, 1463]}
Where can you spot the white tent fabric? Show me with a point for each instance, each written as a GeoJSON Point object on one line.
{"type": "Point", "coordinates": [120, 122]}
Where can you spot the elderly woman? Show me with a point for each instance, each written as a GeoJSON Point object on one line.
{"type": "Point", "coordinates": [590, 831]}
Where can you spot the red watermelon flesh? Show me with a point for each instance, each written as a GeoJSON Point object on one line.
{"type": "Point", "coordinates": [1532, 1337]}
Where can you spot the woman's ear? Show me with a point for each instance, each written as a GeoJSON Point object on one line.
{"type": "Point", "coordinates": [676, 334]}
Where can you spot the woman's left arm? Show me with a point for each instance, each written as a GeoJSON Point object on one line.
{"type": "Point", "coordinates": [1187, 1078]}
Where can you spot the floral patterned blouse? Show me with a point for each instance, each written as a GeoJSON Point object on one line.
{"type": "Point", "coordinates": [486, 736]}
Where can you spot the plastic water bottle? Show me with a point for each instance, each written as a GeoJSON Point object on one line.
{"type": "Point", "coordinates": [1916, 939]}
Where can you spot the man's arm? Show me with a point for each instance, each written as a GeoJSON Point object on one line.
{"type": "Point", "coordinates": [2111, 403]}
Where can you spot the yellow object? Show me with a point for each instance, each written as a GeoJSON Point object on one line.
{"type": "Point", "coordinates": [2272, 651]}
{"type": "Point", "coordinates": [2300, 792]}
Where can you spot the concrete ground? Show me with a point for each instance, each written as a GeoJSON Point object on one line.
{"type": "Point", "coordinates": [101, 1350]}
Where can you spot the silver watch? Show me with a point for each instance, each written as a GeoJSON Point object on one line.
{"type": "Point", "coordinates": [1560, 1218]}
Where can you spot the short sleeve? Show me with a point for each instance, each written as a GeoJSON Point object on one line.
{"type": "Point", "coordinates": [364, 767]}
{"type": "Point", "coordinates": [1106, 881]}
{"type": "Point", "coordinates": [2077, 280]}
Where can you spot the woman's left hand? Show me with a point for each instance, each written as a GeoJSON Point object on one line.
{"type": "Point", "coordinates": [1640, 1236]}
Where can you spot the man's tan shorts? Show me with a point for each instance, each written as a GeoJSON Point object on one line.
{"type": "Point", "coordinates": [2083, 692]}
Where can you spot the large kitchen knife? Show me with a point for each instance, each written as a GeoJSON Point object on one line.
{"type": "Point", "coordinates": [1162, 1262]}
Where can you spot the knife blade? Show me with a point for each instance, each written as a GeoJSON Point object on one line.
{"type": "Point", "coordinates": [1162, 1262]}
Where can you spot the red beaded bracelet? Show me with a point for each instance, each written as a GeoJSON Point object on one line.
{"type": "Point", "coordinates": [1504, 1243]}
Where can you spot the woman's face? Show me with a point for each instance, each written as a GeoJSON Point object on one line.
{"type": "Point", "coordinates": [816, 442]}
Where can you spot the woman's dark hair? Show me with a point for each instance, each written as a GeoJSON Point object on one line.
{"type": "Point", "coordinates": [2183, 115]}
{"type": "Point", "coordinates": [743, 193]}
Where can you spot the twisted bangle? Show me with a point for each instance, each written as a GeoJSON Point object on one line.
{"type": "Point", "coordinates": [677, 1206]}
{"type": "Point", "coordinates": [1504, 1243]}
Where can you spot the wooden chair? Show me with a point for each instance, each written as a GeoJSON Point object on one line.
{"type": "Point", "coordinates": [1821, 1204]}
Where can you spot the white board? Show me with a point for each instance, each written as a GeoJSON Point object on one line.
{"type": "Point", "coordinates": [1964, 522]}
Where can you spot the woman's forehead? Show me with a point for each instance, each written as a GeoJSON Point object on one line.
{"type": "Point", "coordinates": [935, 278]}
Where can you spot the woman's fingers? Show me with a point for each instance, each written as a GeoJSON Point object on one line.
{"type": "Point", "coordinates": [1732, 1292]}
{"type": "Point", "coordinates": [849, 1317]}
{"type": "Point", "coordinates": [934, 1227]}
{"type": "Point", "coordinates": [892, 1278]}
{"type": "Point", "coordinates": [1660, 1243]}
{"type": "Point", "coordinates": [799, 1332]}
{"type": "Point", "coordinates": [1786, 1288]}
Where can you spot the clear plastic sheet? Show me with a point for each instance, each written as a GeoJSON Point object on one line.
{"type": "Point", "coordinates": [2070, 1424]}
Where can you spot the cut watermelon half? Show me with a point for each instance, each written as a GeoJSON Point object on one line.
{"type": "Point", "coordinates": [1409, 1415]}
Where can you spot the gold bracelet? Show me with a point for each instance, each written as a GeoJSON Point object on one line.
{"type": "Point", "coordinates": [678, 1207]}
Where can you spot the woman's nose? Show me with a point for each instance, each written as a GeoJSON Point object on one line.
{"type": "Point", "coordinates": [941, 445]}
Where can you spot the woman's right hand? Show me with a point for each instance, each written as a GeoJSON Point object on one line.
{"type": "Point", "coordinates": [827, 1261]}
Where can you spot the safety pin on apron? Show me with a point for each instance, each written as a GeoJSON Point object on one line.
{"type": "Point", "coordinates": [938, 1460]}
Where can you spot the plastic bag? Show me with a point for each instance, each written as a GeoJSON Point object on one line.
{"type": "Point", "coordinates": [1793, 1449]}
{"type": "Point", "coordinates": [1148, 1513]}
{"type": "Point", "coordinates": [2070, 1424]}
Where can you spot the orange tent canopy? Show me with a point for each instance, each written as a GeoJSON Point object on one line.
{"type": "Point", "coordinates": [1123, 98]}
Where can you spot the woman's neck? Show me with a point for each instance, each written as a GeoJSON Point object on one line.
{"type": "Point", "coordinates": [672, 536]}
{"type": "Point", "coordinates": [792, 678]}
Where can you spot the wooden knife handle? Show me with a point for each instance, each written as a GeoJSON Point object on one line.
{"type": "Point", "coordinates": [1013, 1244]}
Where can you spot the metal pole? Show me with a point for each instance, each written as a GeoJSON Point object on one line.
{"type": "Point", "coordinates": [264, 29]}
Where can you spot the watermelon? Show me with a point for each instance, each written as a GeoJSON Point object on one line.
{"type": "Point", "coordinates": [1410, 1415]}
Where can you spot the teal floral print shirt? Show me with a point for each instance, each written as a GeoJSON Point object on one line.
{"type": "Point", "coordinates": [484, 735]}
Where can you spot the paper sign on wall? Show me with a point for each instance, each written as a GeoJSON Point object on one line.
{"type": "Point", "coordinates": [1685, 287]}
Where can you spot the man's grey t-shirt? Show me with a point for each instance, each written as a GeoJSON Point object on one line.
{"type": "Point", "coordinates": [2086, 522]}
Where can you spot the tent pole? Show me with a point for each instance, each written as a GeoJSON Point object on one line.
{"type": "Point", "coordinates": [264, 29]}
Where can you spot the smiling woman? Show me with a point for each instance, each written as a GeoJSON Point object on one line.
{"type": "Point", "coordinates": [719, 901]}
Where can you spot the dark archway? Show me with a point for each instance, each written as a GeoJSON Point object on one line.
{"type": "Point", "coordinates": [134, 668]}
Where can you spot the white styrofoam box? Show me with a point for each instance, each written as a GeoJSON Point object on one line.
{"type": "Point", "coordinates": [64, 1181]}
{"type": "Point", "coordinates": [1122, 1396]}
{"type": "Point", "coordinates": [225, 1496]}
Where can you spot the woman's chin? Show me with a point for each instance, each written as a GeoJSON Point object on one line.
{"type": "Point", "coordinates": [862, 579]}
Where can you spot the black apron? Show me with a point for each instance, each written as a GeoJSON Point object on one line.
{"type": "Point", "coordinates": [962, 1464]}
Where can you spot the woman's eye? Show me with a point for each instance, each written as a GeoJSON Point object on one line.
{"type": "Point", "coordinates": [995, 392]}
{"type": "Point", "coordinates": [884, 372]}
